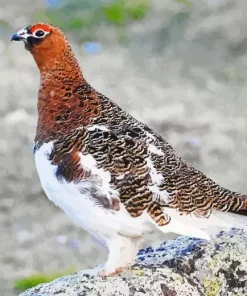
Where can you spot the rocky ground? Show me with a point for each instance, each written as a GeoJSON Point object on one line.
{"type": "Point", "coordinates": [180, 267]}
{"type": "Point", "coordinates": [182, 70]}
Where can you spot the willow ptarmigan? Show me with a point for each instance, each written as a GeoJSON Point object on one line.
{"type": "Point", "coordinates": [111, 174]}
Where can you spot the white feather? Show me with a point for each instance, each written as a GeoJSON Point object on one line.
{"type": "Point", "coordinates": [97, 126]}
{"type": "Point", "coordinates": [150, 136]}
{"type": "Point", "coordinates": [89, 163]}
{"type": "Point", "coordinates": [155, 150]}
{"type": "Point", "coordinates": [80, 207]}
{"type": "Point", "coordinates": [104, 224]}
{"type": "Point", "coordinates": [193, 226]}
{"type": "Point", "coordinates": [156, 177]}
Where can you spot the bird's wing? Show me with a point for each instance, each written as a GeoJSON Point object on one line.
{"type": "Point", "coordinates": [172, 181]}
{"type": "Point", "coordinates": [130, 163]}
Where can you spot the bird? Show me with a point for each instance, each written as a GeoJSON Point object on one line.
{"type": "Point", "coordinates": [113, 175]}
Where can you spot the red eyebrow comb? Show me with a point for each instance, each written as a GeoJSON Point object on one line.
{"type": "Point", "coordinates": [40, 27]}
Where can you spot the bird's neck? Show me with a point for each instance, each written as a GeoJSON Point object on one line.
{"type": "Point", "coordinates": [65, 100]}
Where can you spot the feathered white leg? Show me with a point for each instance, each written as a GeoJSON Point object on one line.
{"type": "Point", "coordinates": [122, 254]}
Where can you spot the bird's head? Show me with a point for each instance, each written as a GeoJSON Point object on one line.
{"type": "Point", "coordinates": [45, 42]}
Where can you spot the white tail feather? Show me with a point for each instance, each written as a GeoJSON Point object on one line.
{"type": "Point", "coordinates": [193, 226]}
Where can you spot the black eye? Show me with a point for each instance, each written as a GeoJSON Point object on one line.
{"type": "Point", "coordinates": [39, 33]}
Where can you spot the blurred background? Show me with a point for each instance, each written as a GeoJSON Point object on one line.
{"type": "Point", "coordinates": [178, 65]}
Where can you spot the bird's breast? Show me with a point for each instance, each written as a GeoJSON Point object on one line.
{"type": "Point", "coordinates": [80, 200]}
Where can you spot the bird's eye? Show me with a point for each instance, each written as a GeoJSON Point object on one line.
{"type": "Point", "coordinates": [39, 33]}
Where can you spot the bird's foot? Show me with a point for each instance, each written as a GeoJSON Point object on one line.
{"type": "Point", "coordinates": [106, 273]}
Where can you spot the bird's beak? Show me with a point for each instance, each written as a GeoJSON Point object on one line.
{"type": "Point", "coordinates": [16, 37]}
{"type": "Point", "coordinates": [21, 35]}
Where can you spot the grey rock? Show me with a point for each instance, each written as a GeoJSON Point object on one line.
{"type": "Point", "coordinates": [184, 266]}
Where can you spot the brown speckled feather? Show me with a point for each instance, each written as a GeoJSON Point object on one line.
{"type": "Point", "coordinates": [123, 151]}
{"type": "Point", "coordinates": [111, 174]}
{"type": "Point", "coordinates": [72, 114]}
{"type": "Point", "coordinates": [68, 105]}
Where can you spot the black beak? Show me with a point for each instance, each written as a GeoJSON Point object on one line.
{"type": "Point", "coordinates": [16, 37]}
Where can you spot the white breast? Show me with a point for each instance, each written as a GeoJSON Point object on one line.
{"type": "Point", "coordinates": [79, 206]}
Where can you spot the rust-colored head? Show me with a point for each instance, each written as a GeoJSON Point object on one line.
{"type": "Point", "coordinates": [46, 42]}
{"type": "Point", "coordinates": [65, 100]}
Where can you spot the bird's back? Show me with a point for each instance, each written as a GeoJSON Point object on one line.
{"type": "Point", "coordinates": [161, 174]}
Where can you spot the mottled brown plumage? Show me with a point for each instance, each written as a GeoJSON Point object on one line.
{"type": "Point", "coordinates": [91, 139]}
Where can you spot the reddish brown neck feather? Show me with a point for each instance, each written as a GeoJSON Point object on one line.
{"type": "Point", "coordinates": [60, 107]}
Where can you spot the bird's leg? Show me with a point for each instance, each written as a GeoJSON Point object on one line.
{"type": "Point", "coordinates": [122, 254]}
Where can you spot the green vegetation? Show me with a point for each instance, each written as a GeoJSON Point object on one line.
{"type": "Point", "coordinates": [121, 11]}
{"type": "Point", "coordinates": [77, 15]}
{"type": "Point", "coordinates": [35, 279]}
{"type": "Point", "coordinates": [83, 18]}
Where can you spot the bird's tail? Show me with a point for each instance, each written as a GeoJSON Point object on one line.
{"type": "Point", "coordinates": [228, 201]}
{"type": "Point", "coordinates": [199, 195]}
{"type": "Point", "coordinates": [220, 198]}
{"type": "Point", "coordinates": [233, 211]}
{"type": "Point", "coordinates": [228, 206]}
{"type": "Point", "coordinates": [241, 200]}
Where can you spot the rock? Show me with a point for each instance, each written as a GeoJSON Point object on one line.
{"type": "Point", "coordinates": [184, 266]}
